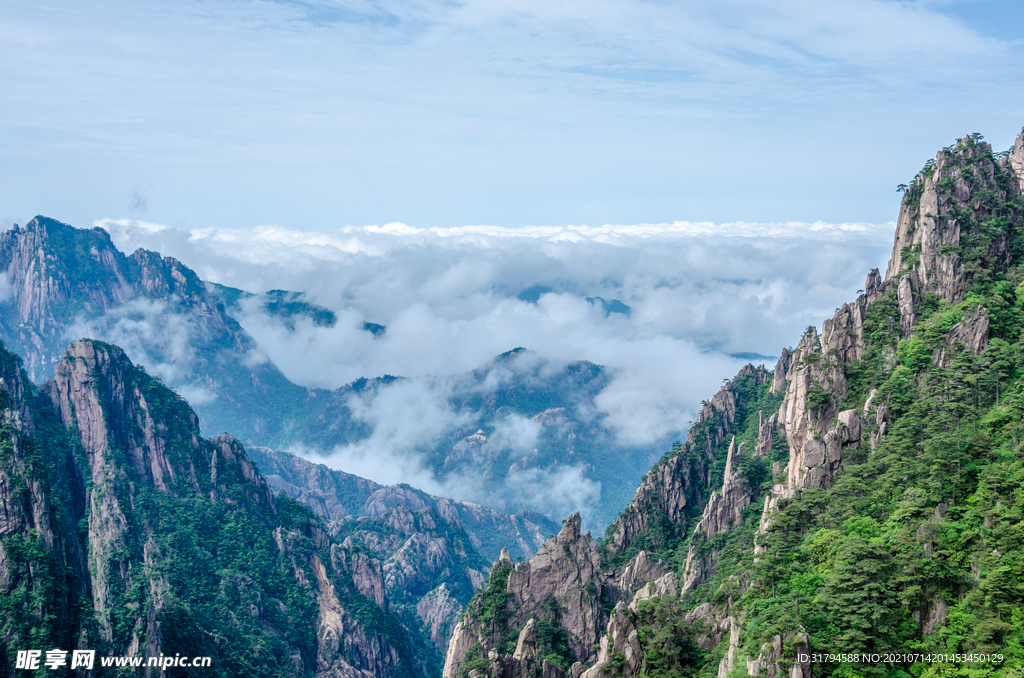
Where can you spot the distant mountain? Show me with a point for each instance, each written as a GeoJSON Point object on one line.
{"type": "Point", "coordinates": [340, 498]}
{"type": "Point", "coordinates": [64, 283]}
{"type": "Point", "coordinates": [281, 304]}
{"type": "Point", "coordinates": [524, 425]}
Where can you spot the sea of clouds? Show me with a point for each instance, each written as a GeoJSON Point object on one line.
{"type": "Point", "coordinates": [699, 294]}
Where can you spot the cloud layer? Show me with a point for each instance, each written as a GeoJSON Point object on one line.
{"type": "Point", "coordinates": [452, 299]}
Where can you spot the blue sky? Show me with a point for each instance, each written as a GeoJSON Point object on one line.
{"type": "Point", "coordinates": [321, 114]}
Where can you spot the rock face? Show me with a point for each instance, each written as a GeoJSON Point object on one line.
{"type": "Point", "coordinates": [337, 497]}
{"type": "Point", "coordinates": [422, 548]}
{"type": "Point", "coordinates": [67, 283]}
{"type": "Point", "coordinates": [723, 512]}
{"type": "Point", "coordinates": [561, 586]}
{"type": "Point", "coordinates": [970, 334]}
{"type": "Point", "coordinates": [679, 486]}
{"type": "Point", "coordinates": [1015, 161]}
{"type": "Point", "coordinates": [947, 233]}
{"type": "Point", "coordinates": [137, 536]}
{"type": "Point", "coordinates": [928, 233]}
{"type": "Point", "coordinates": [563, 569]}
{"type": "Point", "coordinates": [564, 584]}
{"type": "Point", "coordinates": [429, 559]}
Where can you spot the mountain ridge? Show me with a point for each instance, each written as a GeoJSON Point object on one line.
{"type": "Point", "coordinates": [66, 283]}
{"type": "Point", "coordinates": [830, 525]}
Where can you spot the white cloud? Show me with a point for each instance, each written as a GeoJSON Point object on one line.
{"type": "Point", "coordinates": [154, 334]}
{"type": "Point", "coordinates": [408, 416]}
{"type": "Point", "coordinates": [6, 289]}
{"type": "Point", "coordinates": [698, 292]}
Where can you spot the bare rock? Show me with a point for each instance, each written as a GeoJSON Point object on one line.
{"type": "Point", "coordinates": [1016, 161]}
{"type": "Point", "coordinates": [439, 611]}
{"type": "Point", "coordinates": [526, 646]}
{"type": "Point", "coordinates": [970, 334]}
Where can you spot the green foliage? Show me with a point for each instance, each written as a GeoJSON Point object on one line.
{"type": "Point", "coordinates": [225, 570]}
{"type": "Point", "coordinates": [667, 641]}
{"type": "Point", "coordinates": [755, 471]}
{"type": "Point", "coordinates": [934, 517]}
{"type": "Point", "coordinates": [818, 398]}
{"type": "Point", "coordinates": [914, 354]}
{"type": "Point", "coordinates": [666, 539]}
{"type": "Point", "coordinates": [552, 638]}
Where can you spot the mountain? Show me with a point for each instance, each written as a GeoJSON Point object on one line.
{"type": "Point", "coordinates": [281, 304]}
{"type": "Point", "coordinates": [64, 283]}
{"type": "Point", "coordinates": [339, 497]}
{"type": "Point", "coordinates": [126, 532]}
{"type": "Point", "coordinates": [520, 433]}
{"type": "Point", "coordinates": [863, 502]}
{"type": "Point", "coordinates": [427, 549]}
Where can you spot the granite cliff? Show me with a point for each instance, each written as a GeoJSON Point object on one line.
{"type": "Point", "coordinates": [126, 532]}
{"type": "Point", "coordinates": [67, 283]}
{"type": "Point", "coordinates": [861, 497]}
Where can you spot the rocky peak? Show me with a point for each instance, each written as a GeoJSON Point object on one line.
{"type": "Point", "coordinates": [561, 584]}
{"type": "Point", "coordinates": [56, 271]}
{"type": "Point", "coordinates": [562, 569]}
{"type": "Point", "coordinates": [96, 390]}
{"type": "Point", "coordinates": [926, 248]}
{"type": "Point", "coordinates": [160, 277]}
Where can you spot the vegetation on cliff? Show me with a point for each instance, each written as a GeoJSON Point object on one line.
{"type": "Point", "coordinates": [881, 511]}
{"type": "Point", "coordinates": [127, 533]}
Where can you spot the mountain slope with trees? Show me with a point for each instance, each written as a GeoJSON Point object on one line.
{"type": "Point", "coordinates": [868, 499]}
{"type": "Point", "coordinates": [125, 532]}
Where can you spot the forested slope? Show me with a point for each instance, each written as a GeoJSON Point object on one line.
{"type": "Point", "coordinates": [866, 499]}
{"type": "Point", "coordinates": [125, 532]}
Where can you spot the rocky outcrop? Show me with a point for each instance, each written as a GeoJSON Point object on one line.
{"type": "Point", "coordinates": [562, 584]}
{"type": "Point", "coordinates": [723, 512]}
{"type": "Point", "coordinates": [926, 252]}
{"type": "Point", "coordinates": [564, 568]}
{"type": "Point", "coordinates": [637, 573]}
{"type": "Point", "coordinates": [364, 569]}
{"type": "Point", "coordinates": [679, 484]}
{"type": "Point", "coordinates": [146, 523]}
{"type": "Point", "coordinates": [970, 334]}
{"type": "Point", "coordinates": [1015, 161]}
{"type": "Point", "coordinates": [416, 562]}
{"type": "Point", "coordinates": [626, 650]}
{"type": "Point", "coordinates": [331, 494]}
{"type": "Point", "coordinates": [670, 487]}
{"type": "Point", "coordinates": [52, 268]}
